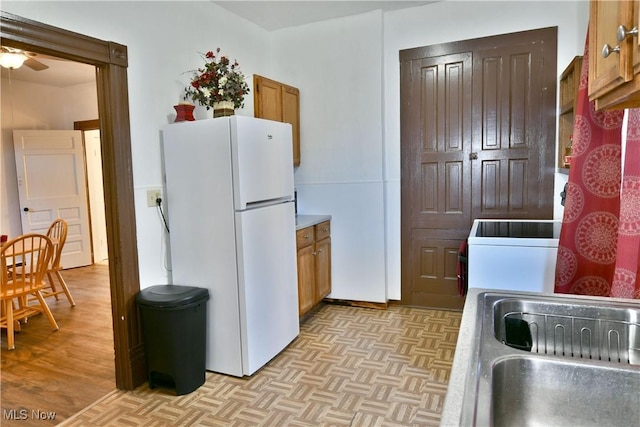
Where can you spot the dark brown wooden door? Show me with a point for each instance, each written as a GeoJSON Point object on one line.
{"type": "Point", "coordinates": [477, 141]}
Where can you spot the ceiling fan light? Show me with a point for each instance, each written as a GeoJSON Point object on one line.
{"type": "Point", "coordinates": [12, 60]}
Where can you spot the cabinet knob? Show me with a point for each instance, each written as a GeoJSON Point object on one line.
{"type": "Point", "coordinates": [307, 236]}
{"type": "Point", "coordinates": [623, 32]}
{"type": "Point", "coordinates": [608, 50]}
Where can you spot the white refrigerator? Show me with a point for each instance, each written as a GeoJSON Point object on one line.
{"type": "Point", "coordinates": [229, 193]}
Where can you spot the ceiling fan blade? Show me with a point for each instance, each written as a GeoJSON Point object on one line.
{"type": "Point", "coordinates": [35, 65]}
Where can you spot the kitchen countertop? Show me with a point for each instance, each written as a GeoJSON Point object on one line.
{"type": "Point", "coordinates": [304, 221]}
{"type": "Point", "coordinates": [452, 409]}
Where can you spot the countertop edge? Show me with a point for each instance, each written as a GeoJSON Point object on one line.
{"type": "Point", "coordinates": [452, 409]}
{"type": "Point", "coordinates": [304, 221]}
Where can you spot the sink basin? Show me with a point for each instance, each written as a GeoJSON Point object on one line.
{"type": "Point", "coordinates": [553, 360]}
{"type": "Point", "coordinates": [527, 391]}
{"type": "Point", "coordinates": [573, 329]}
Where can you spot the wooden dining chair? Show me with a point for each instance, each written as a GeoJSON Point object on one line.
{"type": "Point", "coordinates": [23, 262]}
{"type": "Point", "coordinates": [58, 234]}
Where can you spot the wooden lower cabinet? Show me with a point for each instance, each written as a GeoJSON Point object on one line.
{"type": "Point", "coordinates": [314, 265]}
{"type": "Point", "coordinates": [323, 269]}
{"type": "Point", "coordinates": [306, 278]}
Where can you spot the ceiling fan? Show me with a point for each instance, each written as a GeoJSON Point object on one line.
{"type": "Point", "coordinates": [15, 58]}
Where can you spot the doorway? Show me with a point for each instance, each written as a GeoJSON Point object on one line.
{"type": "Point", "coordinates": [477, 141]}
{"type": "Point", "coordinates": [110, 60]}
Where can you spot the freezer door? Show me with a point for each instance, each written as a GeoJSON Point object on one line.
{"type": "Point", "coordinates": [262, 155]}
{"type": "Point", "coordinates": [267, 278]}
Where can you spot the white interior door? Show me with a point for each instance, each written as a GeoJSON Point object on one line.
{"type": "Point", "coordinates": [51, 184]}
{"type": "Point", "coordinates": [96, 195]}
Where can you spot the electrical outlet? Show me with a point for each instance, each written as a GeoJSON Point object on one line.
{"type": "Point", "coordinates": [152, 196]}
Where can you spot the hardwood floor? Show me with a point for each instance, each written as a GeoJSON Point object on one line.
{"type": "Point", "coordinates": [55, 374]}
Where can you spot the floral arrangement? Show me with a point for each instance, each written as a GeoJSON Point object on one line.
{"type": "Point", "coordinates": [219, 80]}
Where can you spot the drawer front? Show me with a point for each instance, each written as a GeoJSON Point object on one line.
{"type": "Point", "coordinates": [323, 230]}
{"type": "Point", "coordinates": [305, 237]}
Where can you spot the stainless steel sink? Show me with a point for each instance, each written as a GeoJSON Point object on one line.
{"type": "Point", "coordinates": [528, 391]}
{"type": "Point", "coordinates": [573, 329]}
{"type": "Point", "coordinates": [553, 360]}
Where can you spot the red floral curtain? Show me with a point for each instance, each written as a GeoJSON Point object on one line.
{"type": "Point", "coordinates": [626, 280]}
{"type": "Point", "coordinates": [600, 236]}
{"type": "Point", "coordinates": [588, 238]}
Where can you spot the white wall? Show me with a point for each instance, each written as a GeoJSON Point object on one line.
{"type": "Point", "coordinates": [347, 70]}
{"type": "Point", "coordinates": [337, 65]}
{"type": "Point", "coordinates": [163, 41]}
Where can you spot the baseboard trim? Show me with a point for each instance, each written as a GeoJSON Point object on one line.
{"type": "Point", "coordinates": [363, 304]}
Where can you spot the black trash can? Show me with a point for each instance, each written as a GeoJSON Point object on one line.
{"type": "Point", "coordinates": [174, 326]}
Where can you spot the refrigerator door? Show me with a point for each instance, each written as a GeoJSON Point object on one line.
{"type": "Point", "coordinates": [267, 280]}
{"type": "Point", "coordinates": [262, 155]}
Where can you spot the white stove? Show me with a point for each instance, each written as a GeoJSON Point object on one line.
{"type": "Point", "coordinates": [515, 255]}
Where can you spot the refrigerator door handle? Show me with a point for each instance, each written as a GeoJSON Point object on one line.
{"type": "Point", "coordinates": [263, 203]}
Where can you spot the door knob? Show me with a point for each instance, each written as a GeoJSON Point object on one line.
{"type": "Point", "coordinates": [623, 32]}
{"type": "Point", "coordinates": [608, 50]}
{"type": "Point", "coordinates": [473, 156]}
{"type": "Point", "coordinates": [26, 209]}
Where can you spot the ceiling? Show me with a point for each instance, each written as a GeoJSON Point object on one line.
{"type": "Point", "coordinates": [275, 15]}
{"type": "Point", "coordinates": [61, 73]}
{"type": "Point", "coordinates": [270, 15]}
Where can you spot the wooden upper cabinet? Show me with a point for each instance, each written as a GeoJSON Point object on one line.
{"type": "Point", "coordinates": [569, 85]}
{"type": "Point", "coordinates": [291, 114]}
{"type": "Point", "coordinates": [280, 102]}
{"type": "Point", "coordinates": [267, 98]}
{"type": "Point", "coordinates": [614, 76]}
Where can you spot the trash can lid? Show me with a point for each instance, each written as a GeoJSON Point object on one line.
{"type": "Point", "coordinates": [170, 296]}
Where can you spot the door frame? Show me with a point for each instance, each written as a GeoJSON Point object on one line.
{"type": "Point", "coordinates": [110, 60]}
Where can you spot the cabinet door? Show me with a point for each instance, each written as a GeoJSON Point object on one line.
{"type": "Point", "coordinates": [323, 269]}
{"type": "Point", "coordinates": [636, 39]}
{"type": "Point", "coordinates": [606, 74]}
{"type": "Point", "coordinates": [291, 114]}
{"type": "Point", "coordinates": [306, 279]}
{"type": "Point", "coordinates": [267, 99]}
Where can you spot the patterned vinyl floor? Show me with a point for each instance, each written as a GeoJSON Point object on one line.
{"type": "Point", "coordinates": [350, 366]}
